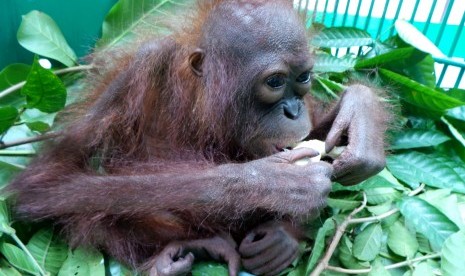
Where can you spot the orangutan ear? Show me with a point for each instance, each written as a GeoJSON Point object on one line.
{"type": "Point", "coordinates": [196, 61]}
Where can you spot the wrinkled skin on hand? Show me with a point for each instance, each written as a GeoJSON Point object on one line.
{"type": "Point", "coordinates": [306, 187]}
{"type": "Point", "coordinates": [269, 248]}
{"type": "Point", "coordinates": [360, 119]}
{"type": "Point", "coordinates": [177, 258]}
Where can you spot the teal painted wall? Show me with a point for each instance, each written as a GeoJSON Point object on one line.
{"type": "Point", "coordinates": [79, 20]}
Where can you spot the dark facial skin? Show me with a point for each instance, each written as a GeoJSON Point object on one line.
{"type": "Point", "coordinates": [189, 132]}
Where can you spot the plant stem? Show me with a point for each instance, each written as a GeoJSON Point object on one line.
{"type": "Point", "coordinates": [17, 153]}
{"type": "Point", "coordinates": [374, 218]}
{"type": "Point", "coordinates": [20, 85]}
{"type": "Point", "coordinates": [30, 140]}
{"type": "Point", "coordinates": [340, 230]}
{"type": "Point", "coordinates": [392, 266]}
{"type": "Point", "coordinates": [28, 253]}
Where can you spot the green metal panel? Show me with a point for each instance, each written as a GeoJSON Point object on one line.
{"type": "Point", "coordinates": [80, 22]}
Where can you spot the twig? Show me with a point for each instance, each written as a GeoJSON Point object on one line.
{"type": "Point", "coordinates": [340, 230]}
{"type": "Point", "coordinates": [19, 85]}
{"type": "Point", "coordinates": [374, 218]}
{"type": "Point", "coordinates": [417, 190]}
{"type": "Point", "coordinates": [30, 140]}
{"type": "Point", "coordinates": [392, 266]}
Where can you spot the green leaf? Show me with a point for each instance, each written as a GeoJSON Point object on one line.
{"type": "Point", "coordinates": [427, 220]}
{"type": "Point", "coordinates": [9, 76]}
{"type": "Point", "coordinates": [37, 120]}
{"type": "Point", "coordinates": [419, 94]}
{"type": "Point", "coordinates": [341, 37]}
{"type": "Point", "coordinates": [40, 34]}
{"type": "Point", "coordinates": [319, 245]}
{"type": "Point", "coordinates": [129, 17]}
{"type": "Point", "coordinates": [401, 241]}
{"type": "Point", "coordinates": [414, 37]}
{"type": "Point", "coordinates": [17, 258]}
{"type": "Point", "coordinates": [418, 138]}
{"type": "Point", "coordinates": [423, 269]}
{"type": "Point", "coordinates": [5, 218]}
{"type": "Point", "coordinates": [447, 203]}
{"type": "Point", "coordinates": [347, 258]}
{"type": "Point", "coordinates": [452, 259]}
{"type": "Point", "coordinates": [367, 244]}
{"type": "Point", "coordinates": [209, 269]}
{"type": "Point", "coordinates": [433, 170]}
{"type": "Point", "coordinates": [7, 270]}
{"type": "Point", "coordinates": [457, 113]}
{"type": "Point", "coordinates": [329, 63]}
{"type": "Point", "coordinates": [84, 262]}
{"type": "Point", "coordinates": [383, 179]}
{"type": "Point", "coordinates": [44, 90]}
{"type": "Point", "coordinates": [389, 57]}
{"type": "Point", "coordinates": [49, 251]}
{"type": "Point", "coordinates": [381, 195]}
{"type": "Point", "coordinates": [455, 132]}
{"type": "Point", "coordinates": [343, 204]}
{"type": "Point", "coordinates": [8, 116]}
{"type": "Point", "coordinates": [378, 269]}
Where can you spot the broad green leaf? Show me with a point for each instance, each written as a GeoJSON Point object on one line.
{"type": "Point", "coordinates": [436, 171]}
{"type": "Point", "coordinates": [40, 34]}
{"type": "Point", "coordinates": [377, 269]}
{"type": "Point", "coordinates": [209, 269]}
{"type": "Point", "coordinates": [447, 203]}
{"type": "Point", "coordinates": [329, 63]}
{"type": "Point", "coordinates": [343, 204]}
{"type": "Point", "coordinates": [44, 90]}
{"type": "Point", "coordinates": [5, 218]}
{"type": "Point", "coordinates": [457, 113]}
{"type": "Point", "coordinates": [347, 258]}
{"type": "Point", "coordinates": [129, 17]}
{"type": "Point", "coordinates": [452, 259]}
{"type": "Point", "coordinates": [8, 116]}
{"type": "Point", "coordinates": [319, 244]}
{"type": "Point", "coordinates": [381, 208]}
{"type": "Point", "coordinates": [7, 171]}
{"type": "Point", "coordinates": [455, 132]}
{"type": "Point", "coordinates": [84, 262]}
{"type": "Point", "coordinates": [367, 244]}
{"type": "Point", "coordinates": [414, 37]}
{"type": "Point", "coordinates": [49, 251]}
{"type": "Point", "coordinates": [417, 138]}
{"type": "Point", "coordinates": [17, 258]}
{"type": "Point", "coordinates": [384, 179]}
{"type": "Point", "coordinates": [7, 270]}
{"type": "Point", "coordinates": [381, 195]}
{"type": "Point", "coordinates": [423, 269]}
{"type": "Point", "coordinates": [420, 71]}
{"type": "Point", "coordinates": [341, 37]}
{"type": "Point", "coordinates": [37, 120]}
{"type": "Point", "coordinates": [419, 94]}
{"type": "Point", "coordinates": [389, 57]}
{"type": "Point", "coordinates": [424, 245]}
{"type": "Point", "coordinates": [9, 76]}
{"type": "Point", "coordinates": [401, 241]}
{"type": "Point", "coordinates": [427, 220]}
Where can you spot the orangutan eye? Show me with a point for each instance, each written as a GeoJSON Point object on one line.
{"type": "Point", "coordinates": [304, 77]}
{"type": "Point", "coordinates": [276, 81]}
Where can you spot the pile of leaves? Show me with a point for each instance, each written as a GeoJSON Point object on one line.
{"type": "Point", "coordinates": [407, 220]}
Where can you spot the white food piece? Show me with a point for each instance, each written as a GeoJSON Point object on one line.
{"type": "Point", "coordinates": [319, 146]}
{"type": "Point", "coordinates": [313, 144]}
